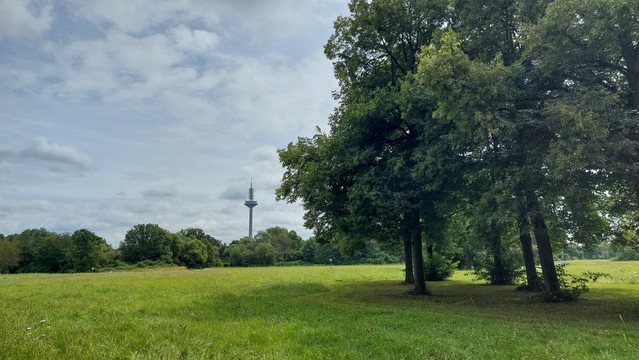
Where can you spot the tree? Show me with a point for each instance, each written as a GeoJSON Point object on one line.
{"type": "Point", "coordinates": [236, 254]}
{"type": "Point", "coordinates": [194, 254]}
{"type": "Point", "coordinates": [287, 244]}
{"type": "Point", "coordinates": [309, 248]}
{"type": "Point", "coordinates": [368, 158]}
{"type": "Point", "coordinates": [189, 254]}
{"type": "Point", "coordinates": [586, 61]}
{"type": "Point", "coordinates": [200, 235]}
{"type": "Point", "coordinates": [28, 242]}
{"type": "Point", "coordinates": [146, 242]}
{"type": "Point", "coordinates": [53, 254]}
{"type": "Point", "coordinates": [86, 251]}
{"type": "Point", "coordinates": [264, 254]}
{"type": "Point", "coordinates": [9, 256]}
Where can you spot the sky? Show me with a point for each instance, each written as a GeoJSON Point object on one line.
{"type": "Point", "coordinates": [123, 112]}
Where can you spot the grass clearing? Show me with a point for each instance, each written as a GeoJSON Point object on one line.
{"type": "Point", "coordinates": [341, 312]}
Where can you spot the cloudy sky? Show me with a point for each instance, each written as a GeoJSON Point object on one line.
{"type": "Point", "coordinates": [120, 112]}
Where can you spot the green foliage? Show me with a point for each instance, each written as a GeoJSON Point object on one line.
{"type": "Point", "coordinates": [261, 252]}
{"type": "Point", "coordinates": [146, 242]}
{"type": "Point", "coordinates": [626, 233]}
{"type": "Point", "coordinates": [52, 254]}
{"type": "Point", "coordinates": [511, 272]}
{"type": "Point", "coordinates": [9, 256]}
{"type": "Point", "coordinates": [40, 250]}
{"type": "Point", "coordinates": [572, 286]}
{"type": "Point", "coordinates": [193, 254]}
{"type": "Point", "coordinates": [87, 251]}
{"type": "Point", "coordinates": [264, 254]}
{"type": "Point", "coordinates": [439, 267]}
{"type": "Point", "coordinates": [195, 249]}
{"type": "Point", "coordinates": [627, 254]}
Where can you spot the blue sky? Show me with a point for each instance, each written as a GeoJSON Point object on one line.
{"type": "Point", "coordinates": [120, 112]}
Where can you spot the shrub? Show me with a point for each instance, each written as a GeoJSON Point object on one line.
{"type": "Point", "coordinates": [438, 267]}
{"type": "Point", "coordinates": [572, 286]}
{"type": "Point", "coordinates": [512, 271]}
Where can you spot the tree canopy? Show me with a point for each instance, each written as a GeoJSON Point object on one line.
{"type": "Point", "coordinates": [519, 117]}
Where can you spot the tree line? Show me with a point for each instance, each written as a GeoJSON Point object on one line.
{"type": "Point", "coordinates": [510, 126]}
{"type": "Point", "coordinates": [40, 250]}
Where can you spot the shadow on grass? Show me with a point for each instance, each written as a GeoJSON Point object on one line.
{"type": "Point", "coordinates": [601, 304]}
{"type": "Point", "coordinates": [452, 297]}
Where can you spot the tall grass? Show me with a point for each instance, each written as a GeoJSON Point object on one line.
{"type": "Point", "coordinates": [317, 312]}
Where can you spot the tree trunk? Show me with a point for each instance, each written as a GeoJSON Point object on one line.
{"type": "Point", "coordinates": [418, 256]}
{"type": "Point", "coordinates": [468, 260]}
{"type": "Point", "coordinates": [409, 278]}
{"type": "Point", "coordinates": [544, 245]}
{"type": "Point", "coordinates": [498, 276]}
{"type": "Point", "coordinates": [526, 247]}
{"type": "Point", "coordinates": [429, 251]}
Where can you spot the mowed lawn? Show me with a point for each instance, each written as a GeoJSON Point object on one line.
{"type": "Point", "coordinates": [315, 312]}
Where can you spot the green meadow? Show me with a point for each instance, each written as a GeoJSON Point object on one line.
{"type": "Point", "coordinates": [314, 312]}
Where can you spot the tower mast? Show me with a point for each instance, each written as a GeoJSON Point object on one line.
{"type": "Point", "coordinates": [251, 203]}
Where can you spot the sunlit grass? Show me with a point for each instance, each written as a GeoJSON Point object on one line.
{"type": "Point", "coordinates": [351, 312]}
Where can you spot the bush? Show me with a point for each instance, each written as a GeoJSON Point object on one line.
{"type": "Point", "coordinates": [572, 287]}
{"type": "Point", "coordinates": [439, 267]}
{"type": "Point", "coordinates": [512, 271]}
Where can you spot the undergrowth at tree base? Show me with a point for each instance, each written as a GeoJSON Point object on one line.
{"type": "Point", "coordinates": [571, 286]}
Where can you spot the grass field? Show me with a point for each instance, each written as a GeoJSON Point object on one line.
{"type": "Point", "coordinates": [339, 312]}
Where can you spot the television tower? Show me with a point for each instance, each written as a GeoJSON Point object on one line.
{"type": "Point", "coordinates": [251, 203]}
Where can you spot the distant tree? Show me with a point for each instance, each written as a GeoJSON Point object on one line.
{"type": "Point", "coordinates": [213, 246]}
{"type": "Point", "coordinates": [194, 254]}
{"type": "Point", "coordinates": [146, 242]}
{"type": "Point", "coordinates": [200, 235]}
{"type": "Point", "coordinates": [327, 254]}
{"type": "Point", "coordinates": [87, 250]}
{"type": "Point", "coordinates": [52, 254]}
{"type": "Point", "coordinates": [287, 244]}
{"type": "Point", "coordinates": [9, 256]}
{"type": "Point", "coordinates": [309, 247]}
{"type": "Point", "coordinates": [236, 253]}
{"type": "Point", "coordinates": [371, 254]}
{"type": "Point", "coordinates": [28, 242]}
{"type": "Point", "coordinates": [264, 254]}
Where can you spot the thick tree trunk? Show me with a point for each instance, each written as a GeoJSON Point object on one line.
{"type": "Point", "coordinates": [526, 247]}
{"type": "Point", "coordinates": [498, 272]}
{"type": "Point", "coordinates": [409, 278]}
{"type": "Point", "coordinates": [544, 245]}
{"type": "Point", "coordinates": [418, 256]}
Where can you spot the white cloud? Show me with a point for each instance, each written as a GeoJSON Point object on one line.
{"type": "Point", "coordinates": [56, 156]}
{"type": "Point", "coordinates": [53, 156]}
{"type": "Point", "coordinates": [163, 192]}
{"type": "Point", "coordinates": [21, 18]}
{"type": "Point", "coordinates": [276, 96]}
{"type": "Point", "coordinates": [118, 66]}
{"type": "Point", "coordinates": [194, 41]}
{"type": "Point", "coordinates": [8, 206]}
{"type": "Point", "coordinates": [139, 16]}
